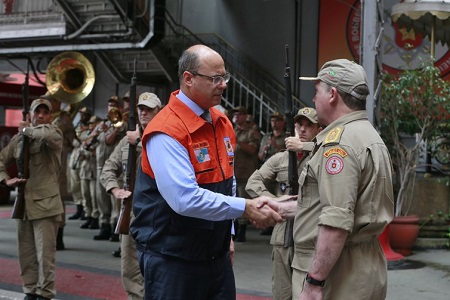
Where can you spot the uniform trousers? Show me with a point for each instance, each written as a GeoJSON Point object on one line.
{"type": "Point", "coordinates": [359, 273]}
{"type": "Point", "coordinates": [104, 201]}
{"type": "Point", "coordinates": [88, 187]}
{"type": "Point", "coordinates": [175, 279]}
{"type": "Point", "coordinates": [132, 279]}
{"type": "Point", "coordinates": [282, 272]}
{"type": "Point", "coordinates": [37, 252]}
{"type": "Point", "coordinates": [75, 186]}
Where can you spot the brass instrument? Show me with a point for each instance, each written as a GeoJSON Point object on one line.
{"type": "Point", "coordinates": [70, 77]}
{"type": "Point", "coordinates": [116, 117]}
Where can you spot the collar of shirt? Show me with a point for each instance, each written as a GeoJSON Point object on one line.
{"type": "Point", "coordinates": [191, 104]}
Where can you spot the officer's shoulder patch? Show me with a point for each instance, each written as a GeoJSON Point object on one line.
{"type": "Point", "coordinates": [334, 136]}
{"type": "Point", "coordinates": [335, 150]}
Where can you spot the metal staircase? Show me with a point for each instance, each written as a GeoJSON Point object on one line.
{"type": "Point", "coordinates": [249, 86]}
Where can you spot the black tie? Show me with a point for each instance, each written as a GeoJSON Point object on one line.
{"type": "Point", "coordinates": [207, 116]}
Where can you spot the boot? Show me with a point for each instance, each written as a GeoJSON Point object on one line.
{"type": "Point", "coordinates": [77, 215]}
{"type": "Point", "coordinates": [240, 237]}
{"type": "Point", "coordinates": [114, 236]}
{"type": "Point", "coordinates": [117, 253]}
{"type": "Point", "coordinates": [105, 233]}
{"type": "Point", "coordinates": [83, 216]}
{"type": "Point", "coordinates": [86, 224]}
{"type": "Point", "coordinates": [94, 224]}
{"type": "Point", "coordinates": [59, 239]}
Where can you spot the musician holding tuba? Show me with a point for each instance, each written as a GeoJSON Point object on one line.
{"type": "Point", "coordinates": [37, 230]}
{"type": "Point", "coordinates": [63, 120]}
{"type": "Point", "coordinates": [70, 78]}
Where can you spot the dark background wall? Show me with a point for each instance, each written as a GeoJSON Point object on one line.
{"type": "Point", "coordinates": [260, 29]}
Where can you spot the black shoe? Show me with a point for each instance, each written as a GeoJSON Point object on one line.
{"type": "Point", "coordinates": [114, 237]}
{"type": "Point", "coordinates": [77, 215]}
{"type": "Point", "coordinates": [266, 231]}
{"type": "Point", "coordinates": [105, 233]}
{"type": "Point", "coordinates": [83, 216]}
{"type": "Point", "coordinates": [116, 253]}
{"type": "Point", "coordinates": [86, 224]}
{"type": "Point", "coordinates": [42, 298]}
{"type": "Point", "coordinates": [59, 239]}
{"type": "Point", "coordinates": [30, 297]}
{"type": "Point", "coordinates": [94, 224]}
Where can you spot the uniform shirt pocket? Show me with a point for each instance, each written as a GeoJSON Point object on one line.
{"type": "Point", "coordinates": [35, 156]}
{"type": "Point", "coordinates": [308, 186]}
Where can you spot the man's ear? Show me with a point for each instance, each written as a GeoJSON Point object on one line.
{"type": "Point", "coordinates": [187, 78]}
{"type": "Point", "coordinates": [334, 96]}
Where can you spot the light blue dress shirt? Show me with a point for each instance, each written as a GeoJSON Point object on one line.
{"type": "Point", "coordinates": [175, 177]}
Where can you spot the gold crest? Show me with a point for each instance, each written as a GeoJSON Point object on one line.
{"type": "Point", "coordinates": [334, 135]}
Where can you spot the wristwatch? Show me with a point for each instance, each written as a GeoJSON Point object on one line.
{"type": "Point", "coordinates": [313, 281]}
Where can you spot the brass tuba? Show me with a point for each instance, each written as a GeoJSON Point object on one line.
{"type": "Point", "coordinates": [116, 117]}
{"type": "Point", "coordinates": [70, 77]}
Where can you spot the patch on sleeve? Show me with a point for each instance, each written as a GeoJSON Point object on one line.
{"type": "Point", "coordinates": [228, 146]}
{"type": "Point", "coordinates": [201, 152]}
{"type": "Point", "coordinates": [339, 151]}
{"type": "Point", "coordinates": [334, 135]}
{"type": "Point", "coordinates": [334, 165]}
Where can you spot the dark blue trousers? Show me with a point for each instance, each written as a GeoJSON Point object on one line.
{"type": "Point", "coordinates": [166, 278]}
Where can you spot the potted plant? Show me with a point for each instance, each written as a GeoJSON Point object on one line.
{"type": "Point", "coordinates": [436, 230]}
{"type": "Point", "coordinates": [414, 104]}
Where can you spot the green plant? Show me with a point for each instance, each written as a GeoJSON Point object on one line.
{"type": "Point", "coordinates": [413, 104]}
{"type": "Point", "coordinates": [448, 237]}
{"type": "Point", "coordinates": [438, 218]}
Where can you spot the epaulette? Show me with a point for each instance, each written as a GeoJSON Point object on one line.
{"type": "Point", "coordinates": [334, 136]}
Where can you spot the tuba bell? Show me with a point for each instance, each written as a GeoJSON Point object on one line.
{"type": "Point", "coordinates": [70, 77]}
{"type": "Point", "coordinates": [116, 117]}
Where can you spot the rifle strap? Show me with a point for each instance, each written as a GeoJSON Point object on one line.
{"type": "Point", "coordinates": [289, 233]}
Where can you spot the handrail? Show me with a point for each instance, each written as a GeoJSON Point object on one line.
{"type": "Point", "coordinates": [249, 84]}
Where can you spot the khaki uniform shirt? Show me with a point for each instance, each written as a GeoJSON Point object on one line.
{"type": "Point", "coordinates": [244, 163]}
{"type": "Point", "coordinates": [116, 165]}
{"type": "Point", "coordinates": [87, 161]}
{"type": "Point", "coordinates": [103, 150]}
{"type": "Point", "coordinates": [279, 140]}
{"type": "Point", "coordinates": [274, 169]}
{"type": "Point", "coordinates": [347, 184]}
{"type": "Point", "coordinates": [42, 198]}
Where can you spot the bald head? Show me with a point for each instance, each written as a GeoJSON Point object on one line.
{"type": "Point", "coordinates": [202, 75]}
{"type": "Point", "coordinates": [194, 56]}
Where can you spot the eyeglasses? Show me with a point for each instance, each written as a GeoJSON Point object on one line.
{"type": "Point", "coordinates": [215, 79]}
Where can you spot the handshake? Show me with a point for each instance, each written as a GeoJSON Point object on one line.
{"type": "Point", "coordinates": [266, 211]}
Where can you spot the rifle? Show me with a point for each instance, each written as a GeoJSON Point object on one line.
{"type": "Point", "coordinates": [123, 221]}
{"type": "Point", "coordinates": [293, 168]}
{"type": "Point", "coordinates": [18, 211]}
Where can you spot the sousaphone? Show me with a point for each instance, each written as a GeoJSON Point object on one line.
{"type": "Point", "coordinates": [70, 77]}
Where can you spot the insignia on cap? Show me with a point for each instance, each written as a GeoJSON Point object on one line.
{"type": "Point", "coordinates": [331, 72]}
{"type": "Point", "coordinates": [145, 97]}
{"type": "Point", "coordinates": [306, 111]}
